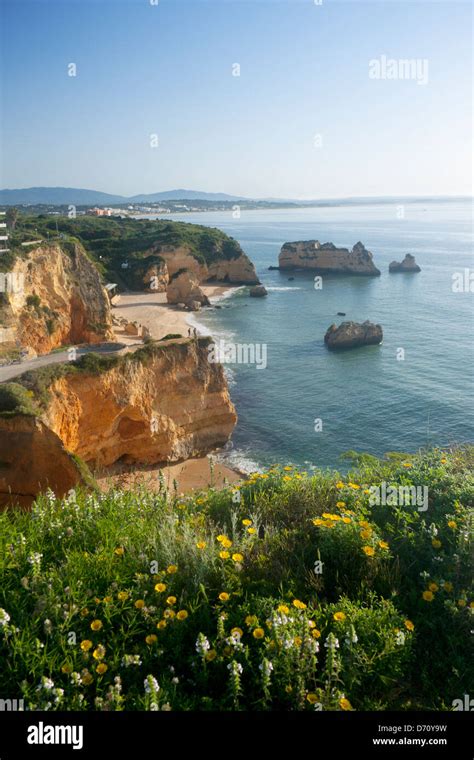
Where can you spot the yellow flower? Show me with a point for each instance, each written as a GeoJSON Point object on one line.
{"type": "Point", "coordinates": [251, 531]}
{"type": "Point", "coordinates": [287, 468]}
{"type": "Point", "coordinates": [339, 617]}
{"type": "Point", "coordinates": [283, 609]}
{"type": "Point", "coordinates": [365, 534]}
{"type": "Point", "coordinates": [354, 486]}
{"type": "Point", "coordinates": [287, 478]}
{"type": "Point", "coordinates": [288, 689]}
{"type": "Point", "coordinates": [340, 504]}
{"type": "Point", "coordinates": [407, 464]}
{"type": "Point", "coordinates": [122, 596]}
{"type": "Point", "coordinates": [171, 600]}
{"type": "Point", "coordinates": [340, 484]}
{"type": "Point", "coordinates": [160, 587]}
{"type": "Point", "coordinates": [383, 544]}
{"type": "Point", "coordinates": [210, 655]}
{"type": "Point", "coordinates": [364, 524]}
{"type": "Point", "coordinates": [86, 677]}
{"type": "Point", "coordinates": [226, 542]}
{"type": "Point", "coordinates": [448, 586]}
{"type": "Point", "coordinates": [162, 624]}
{"type": "Point", "coordinates": [251, 620]}
{"type": "Point", "coordinates": [182, 615]}
{"type": "Point", "coordinates": [86, 645]}
{"type": "Point", "coordinates": [139, 604]}
{"type": "Point", "coordinates": [346, 520]}
{"type": "Point", "coordinates": [237, 631]}
{"type": "Point", "coordinates": [452, 524]}
{"type": "Point", "coordinates": [107, 599]}
{"type": "Point", "coordinates": [443, 461]}
{"type": "Point", "coordinates": [436, 543]}
{"type": "Point", "coordinates": [224, 555]}
{"type": "Point", "coordinates": [311, 698]}
{"type": "Point", "coordinates": [237, 557]}
{"type": "Point", "coordinates": [366, 490]}
{"type": "Point", "coordinates": [318, 521]}
{"type": "Point", "coordinates": [461, 602]}
{"type": "Point", "coordinates": [84, 612]}
{"type": "Point", "coordinates": [299, 605]}
{"type": "Point", "coordinates": [297, 641]}
{"type": "Point", "coordinates": [171, 569]}
{"type": "Point", "coordinates": [169, 614]}
{"type": "Point", "coordinates": [224, 596]}
{"type": "Point", "coordinates": [368, 550]}
{"type": "Point", "coordinates": [99, 652]}
{"type": "Point", "coordinates": [428, 596]}
{"type": "Point", "coordinates": [96, 625]}
{"type": "Point", "coordinates": [201, 544]}
{"type": "Point", "coordinates": [119, 551]}
{"type": "Point", "coordinates": [66, 668]}
{"type": "Point", "coordinates": [433, 586]}
{"type": "Point", "coordinates": [101, 668]}
{"type": "Point", "coordinates": [258, 633]}
{"type": "Point", "coordinates": [409, 625]}
{"type": "Point", "coordinates": [220, 537]}
{"type": "Point", "coordinates": [151, 639]}
{"type": "Point", "coordinates": [315, 633]}
{"type": "Point", "coordinates": [247, 522]}
{"type": "Point", "coordinates": [344, 704]}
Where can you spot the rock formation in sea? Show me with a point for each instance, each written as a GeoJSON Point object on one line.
{"type": "Point", "coordinates": [327, 258]}
{"type": "Point", "coordinates": [234, 270]}
{"type": "Point", "coordinates": [407, 265]}
{"type": "Point", "coordinates": [54, 297]}
{"type": "Point", "coordinates": [353, 334]}
{"type": "Point", "coordinates": [184, 287]}
{"type": "Point", "coordinates": [258, 291]}
{"type": "Point", "coordinates": [164, 403]}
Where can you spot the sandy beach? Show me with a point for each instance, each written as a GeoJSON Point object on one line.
{"type": "Point", "coordinates": [153, 312]}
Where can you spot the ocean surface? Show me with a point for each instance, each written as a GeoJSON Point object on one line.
{"type": "Point", "coordinates": [367, 399]}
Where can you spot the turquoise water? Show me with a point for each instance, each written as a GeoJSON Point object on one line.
{"type": "Point", "coordinates": [366, 398]}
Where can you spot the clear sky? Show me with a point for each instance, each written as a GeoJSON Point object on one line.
{"type": "Point", "coordinates": [166, 69]}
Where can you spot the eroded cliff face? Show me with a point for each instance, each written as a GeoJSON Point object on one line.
{"type": "Point", "coordinates": [32, 459]}
{"type": "Point", "coordinates": [238, 270]}
{"type": "Point", "coordinates": [171, 406]}
{"type": "Point", "coordinates": [57, 299]}
{"type": "Point", "coordinates": [326, 257]}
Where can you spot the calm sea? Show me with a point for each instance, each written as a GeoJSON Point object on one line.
{"type": "Point", "coordinates": [366, 399]}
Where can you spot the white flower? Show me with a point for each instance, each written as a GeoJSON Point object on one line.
{"type": "Point", "coordinates": [45, 683]}
{"type": "Point", "coordinates": [235, 667]}
{"type": "Point", "coordinates": [131, 659]}
{"type": "Point", "coordinates": [202, 644]}
{"type": "Point", "coordinates": [48, 626]}
{"type": "Point", "coordinates": [4, 617]}
{"type": "Point", "coordinates": [151, 685]}
{"type": "Point", "coordinates": [266, 667]}
{"type": "Point", "coordinates": [400, 638]}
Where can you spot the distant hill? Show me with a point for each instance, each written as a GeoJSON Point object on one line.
{"type": "Point", "coordinates": [190, 195]}
{"type": "Point", "coordinates": [61, 196]}
{"type": "Point", "coordinates": [57, 196]}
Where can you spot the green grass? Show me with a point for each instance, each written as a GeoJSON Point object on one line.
{"type": "Point", "coordinates": [259, 629]}
{"type": "Point", "coordinates": [15, 399]}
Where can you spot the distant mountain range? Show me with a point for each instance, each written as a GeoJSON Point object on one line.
{"type": "Point", "coordinates": [63, 196]}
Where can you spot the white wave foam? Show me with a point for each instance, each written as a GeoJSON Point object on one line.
{"type": "Point", "coordinates": [238, 460]}
{"type": "Point", "coordinates": [270, 287]}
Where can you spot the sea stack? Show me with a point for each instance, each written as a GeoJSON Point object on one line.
{"type": "Point", "coordinates": [352, 335]}
{"type": "Point", "coordinates": [258, 291]}
{"type": "Point", "coordinates": [325, 258]}
{"type": "Point", "coordinates": [407, 265]}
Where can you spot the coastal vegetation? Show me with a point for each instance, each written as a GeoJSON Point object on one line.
{"type": "Point", "coordinates": [290, 591]}
{"type": "Point", "coordinates": [111, 242]}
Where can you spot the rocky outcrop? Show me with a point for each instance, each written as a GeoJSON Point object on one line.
{"type": "Point", "coordinates": [352, 335]}
{"type": "Point", "coordinates": [327, 258]}
{"type": "Point", "coordinates": [32, 459]}
{"type": "Point", "coordinates": [407, 265]}
{"type": "Point", "coordinates": [236, 269]}
{"type": "Point", "coordinates": [184, 288]}
{"type": "Point", "coordinates": [258, 291]}
{"type": "Point", "coordinates": [156, 277]}
{"type": "Point", "coordinates": [57, 299]}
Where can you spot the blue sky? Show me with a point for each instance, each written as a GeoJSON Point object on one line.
{"type": "Point", "coordinates": [166, 69]}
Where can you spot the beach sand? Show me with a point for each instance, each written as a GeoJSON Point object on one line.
{"type": "Point", "coordinates": [152, 311]}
